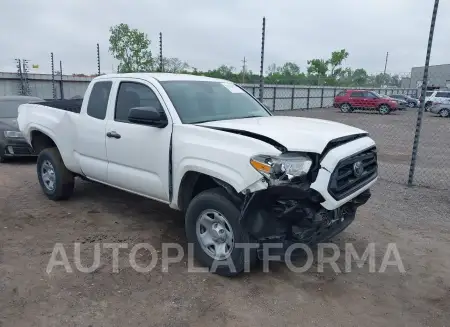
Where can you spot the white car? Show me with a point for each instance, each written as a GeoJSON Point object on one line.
{"type": "Point", "coordinates": [436, 96]}
{"type": "Point", "coordinates": [210, 149]}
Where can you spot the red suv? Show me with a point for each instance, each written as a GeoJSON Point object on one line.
{"type": "Point", "coordinates": [351, 100]}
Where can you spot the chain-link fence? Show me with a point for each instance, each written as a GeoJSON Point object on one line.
{"type": "Point", "coordinates": [293, 97]}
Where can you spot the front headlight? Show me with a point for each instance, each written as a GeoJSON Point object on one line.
{"type": "Point", "coordinates": [287, 165]}
{"type": "Point", "coordinates": [13, 134]}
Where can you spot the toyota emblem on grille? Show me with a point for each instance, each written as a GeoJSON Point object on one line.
{"type": "Point", "coordinates": [358, 169]}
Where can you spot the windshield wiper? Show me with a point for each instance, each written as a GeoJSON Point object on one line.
{"type": "Point", "coordinates": [250, 116]}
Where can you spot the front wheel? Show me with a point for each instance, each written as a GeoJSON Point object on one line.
{"type": "Point", "coordinates": [213, 226]}
{"type": "Point", "coordinates": [55, 179]}
{"type": "Point", "coordinates": [384, 109]}
{"type": "Point", "coordinates": [345, 107]}
{"type": "Point", "coordinates": [444, 113]}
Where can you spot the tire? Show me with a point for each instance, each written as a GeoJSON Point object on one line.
{"type": "Point", "coordinates": [384, 109]}
{"type": "Point", "coordinates": [345, 108]}
{"type": "Point", "coordinates": [213, 203]}
{"type": "Point", "coordinates": [427, 106]}
{"type": "Point", "coordinates": [411, 104]}
{"type": "Point", "coordinates": [58, 183]}
{"type": "Point", "coordinates": [2, 152]}
{"type": "Point", "coordinates": [444, 113]}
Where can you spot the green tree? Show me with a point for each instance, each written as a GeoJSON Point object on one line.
{"type": "Point", "coordinates": [359, 77]}
{"type": "Point", "coordinates": [131, 48]}
{"type": "Point", "coordinates": [273, 69]}
{"type": "Point", "coordinates": [317, 69]}
{"type": "Point", "coordinates": [382, 79]}
{"type": "Point", "coordinates": [174, 65]}
{"type": "Point", "coordinates": [290, 69]}
{"type": "Point", "coordinates": [337, 57]}
{"type": "Point", "coordinates": [396, 81]}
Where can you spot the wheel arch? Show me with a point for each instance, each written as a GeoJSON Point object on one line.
{"type": "Point", "coordinates": [40, 140]}
{"type": "Point", "coordinates": [194, 182]}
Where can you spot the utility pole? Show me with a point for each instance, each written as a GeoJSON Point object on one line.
{"type": "Point", "coordinates": [244, 69]}
{"type": "Point", "coordinates": [385, 63]}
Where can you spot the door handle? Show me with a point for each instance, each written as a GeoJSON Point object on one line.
{"type": "Point", "coordinates": [113, 134]}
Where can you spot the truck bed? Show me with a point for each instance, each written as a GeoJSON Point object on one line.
{"type": "Point", "coordinates": [72, 105]}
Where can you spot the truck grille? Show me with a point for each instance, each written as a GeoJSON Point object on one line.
{"type": "Point", "coordinates": [21, 150]}
{"type": "Point", "coordinates": [352, 173]}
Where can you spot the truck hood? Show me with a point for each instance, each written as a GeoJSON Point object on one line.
{"type": "Point", "coordinates": [294, 133]}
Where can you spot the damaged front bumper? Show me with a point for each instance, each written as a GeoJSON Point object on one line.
{"type": "Point", "coordinates": [294, 213]}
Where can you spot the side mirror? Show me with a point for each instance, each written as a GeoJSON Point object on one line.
{"type": "Point", "coordinates": [148, 116]}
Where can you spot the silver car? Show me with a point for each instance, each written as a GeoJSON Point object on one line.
{"type": "Point", "coordinates": [442, 108]}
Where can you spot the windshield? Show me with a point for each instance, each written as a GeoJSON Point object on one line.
{"type": "Point", "coordinates": [203, 101]}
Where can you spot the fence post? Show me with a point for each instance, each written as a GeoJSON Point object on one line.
{"type": "Point", "coordinates": [292, 97]}
{"type": "Point", "coordinates": [253, 90]}
{"type": "Point", "coordinates": [412, 167]}
{"type": "Point", "coordinates": [61, 87]}
{"type": "Point", "coordinates": [274, 98]}
{"type": "Point", "coordinates": [161, 59]}
{"type": "Point", "coordinates": [53, 76]}
{"type": "Point", "coordinates": [307, 98]}
{"type": "Point", "coordinates": [98, 59]}
{"type": "Point", "coordinates": [321, 99]}
{"type": "Point", "coordinates": [261, 72]}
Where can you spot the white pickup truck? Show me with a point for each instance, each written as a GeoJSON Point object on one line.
{"type": "Point", "coordinates": [210, 149]}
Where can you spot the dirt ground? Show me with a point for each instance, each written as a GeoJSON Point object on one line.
{"type": "Point", "coordinates": [416, 219]}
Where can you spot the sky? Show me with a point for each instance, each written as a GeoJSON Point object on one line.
{"type": "Point", "coordinates": [207, 34]}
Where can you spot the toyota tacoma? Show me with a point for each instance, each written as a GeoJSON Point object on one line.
{"type": "Point", "coordinates": [208, 148]}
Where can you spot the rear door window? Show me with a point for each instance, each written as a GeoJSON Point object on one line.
{"type": "Point", "coordinates": [357, 94]}
{"type": "Point", "coordinates": [341, 94]}
{"type": "Point", "coordinates": [98, 99]}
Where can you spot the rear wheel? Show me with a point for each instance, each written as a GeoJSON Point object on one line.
{"type": "Point", "coordinates": [444, 113]}
{"type": "Point", "coordinates": [213, 226]}
{"type": "Point", "coordinates": [384, 109]}
{"type": "Point", "coordinates": [55, 179]}
{"type": "Point", "coordinates": [428, 105]}
{"type": "Point", "coordinates": [345, 107]}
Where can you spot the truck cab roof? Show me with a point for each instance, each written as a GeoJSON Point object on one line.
{"type": "Point", "coordinates": [162, 77]}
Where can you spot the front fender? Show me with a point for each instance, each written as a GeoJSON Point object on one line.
{"type": "Point", "coordinates": [222, 155]}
